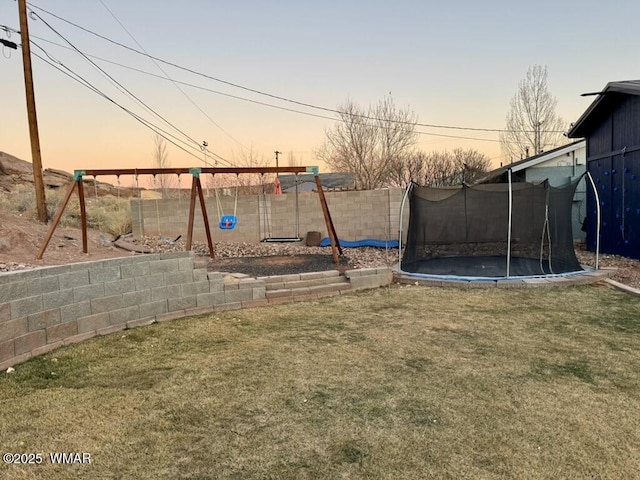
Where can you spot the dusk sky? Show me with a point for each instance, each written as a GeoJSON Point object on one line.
{"type": "Point", "coordinates": [454, 63]}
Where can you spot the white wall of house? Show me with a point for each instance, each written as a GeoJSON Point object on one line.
{"type": "Point", "coordinates": [559, 169]}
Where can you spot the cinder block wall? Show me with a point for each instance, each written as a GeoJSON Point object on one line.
{"type": "Point", "coordinates": [356, 215]}
{"type": "Point", "coordinates": [170, 218]}
{"type": "Point", "coordinates": [46, 308]}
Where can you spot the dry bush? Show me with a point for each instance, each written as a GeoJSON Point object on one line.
{"type": "Point", "coordinates": [107, 214]}
{"type": "Point", "coordinates": [110, 216]}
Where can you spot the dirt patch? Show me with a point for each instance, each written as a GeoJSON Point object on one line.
{"type": "Point", "coordinates": [21, 238]}
{"type": "Point", "coordinates": [277, 265]}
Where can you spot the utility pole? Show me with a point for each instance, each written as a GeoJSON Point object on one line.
{"type": "Point", "coordinates": [277, 153]}
{"type": "Point", "coordinates": [538, 140]}
{"type": "Point", "coordinates": [31, 111]}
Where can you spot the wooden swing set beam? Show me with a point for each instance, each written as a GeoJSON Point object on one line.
{"type": "Point", "coordinates": [196, 191]}
{"type": "Point", "coordinates": [181, 170]}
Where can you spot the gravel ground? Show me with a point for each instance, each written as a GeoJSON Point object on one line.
{"type": "Point", "coordinates": [278, 258]}
{"type": "Point", "coordinates": [627, 269]}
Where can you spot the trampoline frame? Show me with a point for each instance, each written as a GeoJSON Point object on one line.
{"type": "Point", "coordinates": [508, 255]}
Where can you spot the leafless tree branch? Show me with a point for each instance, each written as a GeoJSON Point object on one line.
{"type": "Point", "coordinates": [532, 124]}
{"type": "Point", "coordinates": [161, 160]}
{"type": "Point", "coordinates": [369, 143]}
{"type": "Point", "coordinates": [439, 169]}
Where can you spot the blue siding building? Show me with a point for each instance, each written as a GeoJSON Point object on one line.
{"type": "Point", "coordinates": [611, 127]}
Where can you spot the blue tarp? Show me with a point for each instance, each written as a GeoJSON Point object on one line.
{"type": "Point", "coordinates": [367, 242]}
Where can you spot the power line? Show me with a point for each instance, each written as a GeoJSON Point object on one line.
{"type": "Point", "coordinates": [227, 95]}
{"type": "Point", "coordinates": [277, 97]}
{"type": "Point", "coordinates": [169, 78]}
{"type": "Point", "coordinates": [122, 87]}
{"type": "Point", "coordinates": [176, 82]}
{"type": "Point", "coordinates": [81, 80]}
{"type": "Point", "coordinates": [78, 78]}
{"type": "Point", "coordinates": [249, 100]}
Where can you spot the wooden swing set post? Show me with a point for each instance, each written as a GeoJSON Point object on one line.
{"type": "Point", "coordinates": [76, 183]}
{"type": "Point", "coordinates": [56, 219]}
{"type": "Point", "coordinates": [205, 217]}
{"type": "Point", "coordinates": [196, 190]}
{"type": "Point", "coordinates": [83, 216]}
{"type": "Point", "coordinates": [192, 210]}
{"type": "Point", "coordinates": [331, 230]}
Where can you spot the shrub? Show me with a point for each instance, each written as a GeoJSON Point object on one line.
{"type": "Point", "coordinates": [107, 214]}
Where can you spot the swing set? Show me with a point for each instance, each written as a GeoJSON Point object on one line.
{"type": "Point", "coordinates": [226, 222]}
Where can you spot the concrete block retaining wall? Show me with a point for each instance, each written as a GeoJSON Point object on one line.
{"type": "Point", "coordinates": [369, 277]}
{"type": "Point", "coordinates": [46, 308]}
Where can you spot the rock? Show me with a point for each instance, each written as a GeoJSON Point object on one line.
{"type": "Point", "coordinates": [5, 244]}
{"type": "Point", "coordinates": [12, 266]}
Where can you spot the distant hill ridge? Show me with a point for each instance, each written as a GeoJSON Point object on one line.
{"type": "Point", "coordinates": [14, 171]}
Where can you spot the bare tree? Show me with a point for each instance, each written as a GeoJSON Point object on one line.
{"type": "Point", "coordinates": [369, 143]}
{"type": "Point", "coordinates": [163, 182]}
{"type": "Point", "coordinates": [532, 124]}
{"type": "Point", "coordinates": [439, 169]}
{"type": "Point", "coordinates": [410, 168]}
{"type": "Point", "coordinates": [470, 165]}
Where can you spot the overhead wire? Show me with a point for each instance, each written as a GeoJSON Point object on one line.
{"type": "Point", "coordinates": [244, 99]}
{"type": "Point", "coordinates": [58, 65]}
{"type": "Point", "coordinates": [166, 75]}
{"type": "Point", "coordinates": [74, 48]}
{"type": "Point", "coordinates": [78, 78]}
{"type": "Point", "coordinates": [74, 76]}
{"type": "Point", "coordinates": [125, 90]}
{"type": "Point", "coordinates": [277, 97]}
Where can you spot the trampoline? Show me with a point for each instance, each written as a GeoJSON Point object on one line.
{"type": "Point", "coordinates": [489, 232]}
{"type": "Point", "coordinates": [485, 267]}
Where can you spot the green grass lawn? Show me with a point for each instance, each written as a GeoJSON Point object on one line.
{"type": "Point", "coordinates": [400, 383]}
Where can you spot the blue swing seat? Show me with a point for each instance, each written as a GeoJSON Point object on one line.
{"type": "Point", "coordinates": [228, 222]}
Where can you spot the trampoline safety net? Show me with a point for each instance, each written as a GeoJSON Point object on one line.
{"type": "Point", "coordinates": [464, 231]}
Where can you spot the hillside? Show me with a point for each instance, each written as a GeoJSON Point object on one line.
{"type": "Point", "coordinates": [14, 171]}
{"type": "Point", "coordinates": [22, 236]}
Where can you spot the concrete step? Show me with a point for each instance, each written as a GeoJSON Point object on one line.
{"type": "Point", "coordinates": [300, 276]}
{"type": "Point", "coordinates": [314, 282]}
{"type": "Point", "coordinates": [338, 286]}
{"type": "Point", "coordinates": [279, 280]}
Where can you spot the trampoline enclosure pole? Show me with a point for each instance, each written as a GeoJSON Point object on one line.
{"type": "Point", "coordinates": [598, 218]}
{"type": "Point", "coordinates": [510, 215]}
{"type": "Point", "coordinates": [404, 200]}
